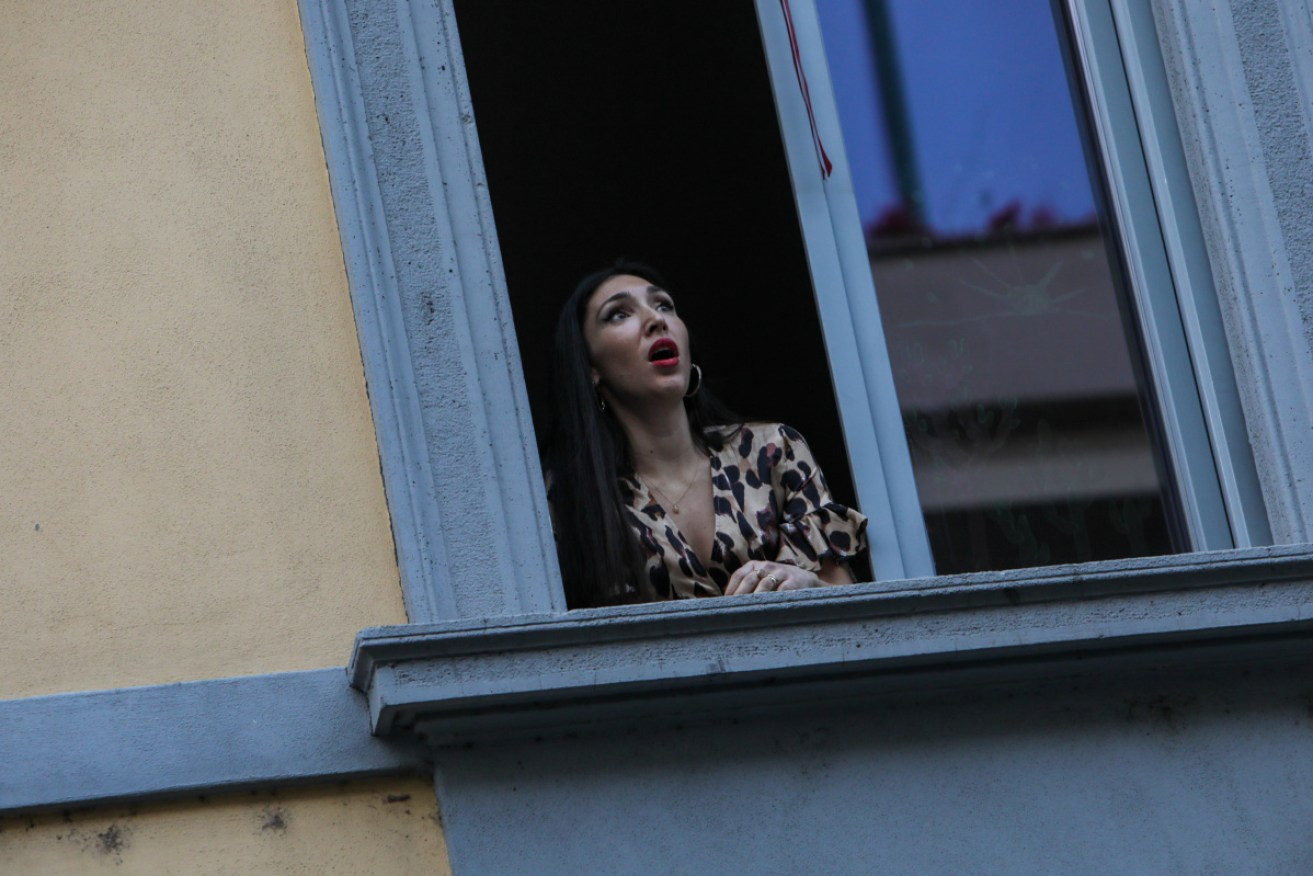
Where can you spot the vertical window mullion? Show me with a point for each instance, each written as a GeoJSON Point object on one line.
{"type": "Point", "coordinates": [841, 276]}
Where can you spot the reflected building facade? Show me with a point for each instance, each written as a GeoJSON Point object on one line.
{"type": "Point", "coordinates": [1015, 350]}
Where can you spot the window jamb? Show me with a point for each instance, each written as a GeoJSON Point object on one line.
{"type": "Point", "coordinates": [380, 325]}
{"type": "Point", "coordinates": [1234, 70]}
{"type": "Point", "coordinates": [1199, 415]}
{"type": "Point", "coordinates": [1183, 239]}
{"type": "Point", "coordinates": [464, 487]}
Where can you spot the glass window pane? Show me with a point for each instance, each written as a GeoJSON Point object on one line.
{"type": "Point", "coordinates": [1018, 369]}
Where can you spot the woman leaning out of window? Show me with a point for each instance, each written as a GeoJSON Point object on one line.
{"type": "Point", "coordinates": [657, 492]}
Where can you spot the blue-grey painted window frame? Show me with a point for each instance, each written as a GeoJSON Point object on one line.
{"type": "Point", "coordinates": [1176, 299]}
{"type": "Point", "coordinates": [218, 736]}
{"type": "Point", "coordinates": [464, 486]}
{"type": "Point", "coordinates": [1238, 74]}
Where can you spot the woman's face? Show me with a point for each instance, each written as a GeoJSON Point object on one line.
{"type": "Point", "coordinates": [637, 343]}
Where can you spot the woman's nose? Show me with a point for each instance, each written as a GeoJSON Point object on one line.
{"type": "Point", "coordinates": [656, 320]}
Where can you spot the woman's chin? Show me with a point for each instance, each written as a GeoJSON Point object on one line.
{"type": "Point", "coordinates": [662, 393]}
{"type": "Point", "coordinates": [676, 384]}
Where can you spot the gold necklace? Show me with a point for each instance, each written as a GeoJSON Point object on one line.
{"type": "Point", "coordinates": [674, 506]}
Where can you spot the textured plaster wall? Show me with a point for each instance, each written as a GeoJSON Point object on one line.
{"type": "Point", "coordinates": [1275, 50]}
{"type": "Point", "coordinates": [356, 828]}
{"type": "Point", "coordinates": [189, 480]}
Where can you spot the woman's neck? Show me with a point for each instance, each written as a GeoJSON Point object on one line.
{"type": "Point", "coordinates": [660, 441]}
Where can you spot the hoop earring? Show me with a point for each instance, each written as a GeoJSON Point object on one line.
{"type": "Point", "coordinates": [601, 403]}
{"type": "Point", "coordinates": [695, 382]}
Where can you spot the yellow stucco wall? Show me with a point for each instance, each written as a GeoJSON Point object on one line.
{"type": "Point", "coordinates": [364, 827]}
{"type": "Point", "coordinates": [189, 485]}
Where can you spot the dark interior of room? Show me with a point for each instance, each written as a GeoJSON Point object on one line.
{"type": "Point", "coordinates": [648, 131]}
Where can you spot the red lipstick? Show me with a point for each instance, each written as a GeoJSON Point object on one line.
{"type": "Point", "coordinates": [664, 353]}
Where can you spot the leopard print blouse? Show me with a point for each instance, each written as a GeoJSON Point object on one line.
{"type": "Point", "coordinates": [770, 502]}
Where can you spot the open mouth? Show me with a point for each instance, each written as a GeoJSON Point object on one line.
{"type": "Point", "coordinates": [663, 352]}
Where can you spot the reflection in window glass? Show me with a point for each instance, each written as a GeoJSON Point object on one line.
{"type": "Point", "coordinates": [1028, 417]}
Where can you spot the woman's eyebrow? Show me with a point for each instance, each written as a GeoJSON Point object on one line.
{"type": "Point", "coordinates": [623, 293]}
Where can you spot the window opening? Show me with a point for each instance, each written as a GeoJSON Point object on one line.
{"type": "Point", "coordinates": [649, 131]}
{"type": "Point", "coordinates": [995, 390]}
{"type": "Point", "coordinates": [1020, 380]}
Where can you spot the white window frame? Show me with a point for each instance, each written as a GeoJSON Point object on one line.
{"type": "Point", "coordinates": [1205, 437]}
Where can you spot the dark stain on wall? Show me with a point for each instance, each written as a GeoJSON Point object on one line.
{"type": "Point", "coordinates": [112, 840]}
{"type": "Point", "coordinates": [273, 818]}
{"type": "Point", "coordinates": [1162, 711]}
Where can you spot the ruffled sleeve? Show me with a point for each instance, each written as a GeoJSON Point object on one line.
{"type": "Point", "coordinates": [813, 527]}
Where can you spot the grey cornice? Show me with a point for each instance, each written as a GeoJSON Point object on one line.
{"type": "Point", "coordinates": [534, 675]}
{"type": "Point", "coordinates": [1239, 79]}
{"type": "Point", "coordinates": [442, 366]}
{"type": "Point", "coordinates": [202, 737]}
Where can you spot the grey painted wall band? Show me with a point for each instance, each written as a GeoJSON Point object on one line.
{"type": "Point", "coordinates": [174, 740]}
{"type": "Point", "coordinates": [1158, 772]}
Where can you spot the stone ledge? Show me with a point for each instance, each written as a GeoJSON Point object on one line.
{"type": "Point", "coordinates": [515, 677]}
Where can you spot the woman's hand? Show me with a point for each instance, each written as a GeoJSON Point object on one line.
{"type": "Point", "coordinates": [762, 576]}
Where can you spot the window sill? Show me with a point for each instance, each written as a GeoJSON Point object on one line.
{"type": "Point", "coordinates": [540, 675]}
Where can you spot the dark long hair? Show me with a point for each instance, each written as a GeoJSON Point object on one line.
{"type": "Point", "coordinates": [601, 560]}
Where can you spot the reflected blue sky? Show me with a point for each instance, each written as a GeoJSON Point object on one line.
{"type": "Point", "coordinates": [989, 110]}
